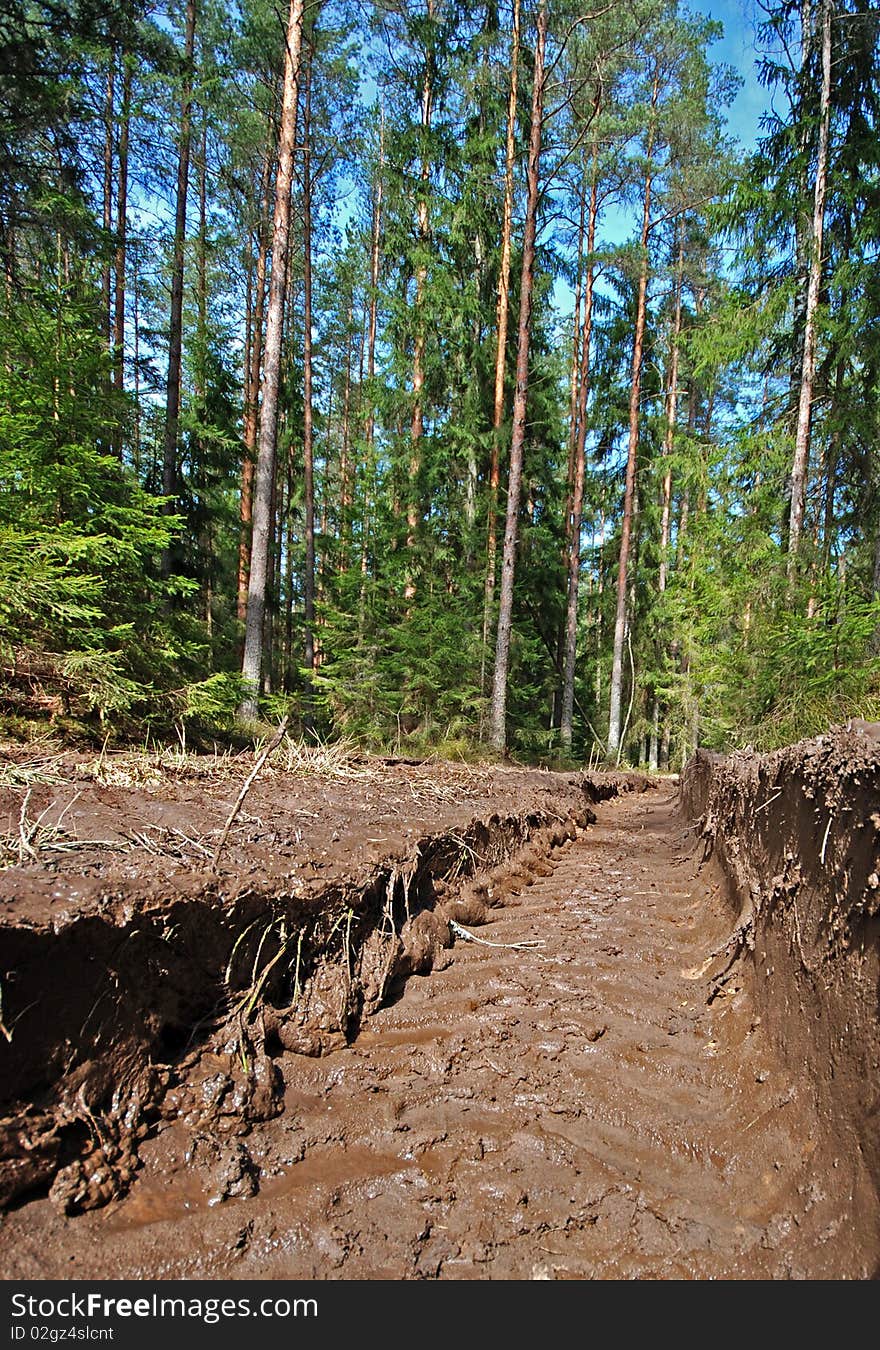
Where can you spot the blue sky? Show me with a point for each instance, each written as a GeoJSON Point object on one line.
{"type": "Point", "coordinates": [737, 48]}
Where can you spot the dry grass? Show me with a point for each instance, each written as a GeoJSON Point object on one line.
{"type": "Point", "coordinates": [40, 837]}
{"type": "Point", "coordinates": [164, 841]}
{"type": "Point", "coordinates": [141, 768]}
{"type": "Point", "coordinates": [323, 759]}
{"type": "Point", "coordinates": [50, 770]}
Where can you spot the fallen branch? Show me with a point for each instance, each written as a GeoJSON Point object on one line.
{"type": "Point", "coordinates": [246, 787]}
{"type": "Point", "coordinates": [484, 942]}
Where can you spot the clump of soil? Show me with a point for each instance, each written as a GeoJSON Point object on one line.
{"type": "Point", "coordinates": [145, 977]}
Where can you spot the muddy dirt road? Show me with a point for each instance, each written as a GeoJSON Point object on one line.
{"type": "Point", "coordinates": [599, 1106]}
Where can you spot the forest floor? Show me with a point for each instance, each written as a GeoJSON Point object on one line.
{"type": "Point", "coordinates": [517, 1064]}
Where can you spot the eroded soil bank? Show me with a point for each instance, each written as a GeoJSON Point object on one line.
{"type": "Point", "coordinates": [157, 963]}
{"type": "Point", "coordinates": [597, 1088]}
{"type": "Point", "coordinates": [797, 834]}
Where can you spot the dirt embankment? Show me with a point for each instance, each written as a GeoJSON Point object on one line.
{"type": "Point", "coordinates": [798, 835]}
{"type": "Point", "coordinates": [140, 980]}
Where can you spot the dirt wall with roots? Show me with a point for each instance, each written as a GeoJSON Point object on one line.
{"type": "Point", "coordinates": [798, 835]}
{"type": "Point", "coordinates": [147, 1004]}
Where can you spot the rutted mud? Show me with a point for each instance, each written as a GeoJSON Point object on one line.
{"type": "Point", "coordinates": [130, 1004]}
{"type": "Point", "coordinates": [594, 1089]}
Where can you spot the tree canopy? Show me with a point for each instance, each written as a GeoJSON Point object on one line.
{"type": "Point", "coordinates": [443, 376]}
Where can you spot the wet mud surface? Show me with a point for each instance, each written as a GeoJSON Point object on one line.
{"type": "Point", "coordinates": [593, 1089]}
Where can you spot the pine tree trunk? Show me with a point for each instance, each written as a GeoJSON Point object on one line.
{"type": "Point", "coordinates": [375, 246]}
{"type": "Point", "coordinates": [556, 715]}
{"type": "Point", "coordinates": [308, 428]}
{"type": "Point", "coordinates": [264, 478]}
{"type": "Point", "coordinates": [671, 416]}
{"type": "Point", "coordinates": [106, 311]}
{"type": "Point", "coordinates": [800, 463]}
{"type": "Point", "coordinates": [613, 745]}
{"type": "Point", "coordinates": [122, 234]}
{"type": "Point", "coordinates": [252, 393]}
{"type": "Point", "coordinates": [136, 354]}
{"type": "Point", "coordinates": [671, 412]}
{"type": "Point", "coordinates": [413, 505]}
{"type": "Point", "coordinates": [831, 469]}
{"type": "Point", "coordinates": [370, 402]}
{"type": "Point", "coordinates": [498, 728]}
{"type": "Point", "coordinates": [345, 439]}
{"type": "Point", "coordinates": [289, 663]}
{"type": "Point", "coordinates": [175, 323]}
{"type": "Point", "coordinates": [577, 497]}
{"type": "Point", "coordinates": [202, 265]}
{"type": "Point", "coordinates": [575, 365]}
{"type": "Point", "coordinates": [501, 322]}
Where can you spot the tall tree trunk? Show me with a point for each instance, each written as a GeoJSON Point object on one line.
{"type": "Point", "coordinates": [800, 463]}
{"type": "Point", "coordinates": [831, 467]}
{"type": "Point", "coordinates": [370, 401]}
{"type": "Point", "coordinates": [575, 361]}
{"type": "Point", "coordinates": [175, 323]}
{"type": "Point", "coordinates": [375, 247]}
{"type": "Point", "coordinates": [556, 715]}
{"type": "Point", "coordinates": [122, 233]}
{"type": "Point", "coordinates": [202, 264]}
{"type": "Point", "coordinates": [501, 322]}
{"type": "Point", "coordinates": [671, 416]}
{"type": "Point", "coordinates": [262, 532]}
{"type": "Point", "coordinates": [613, 745]}
{"type": "Point", "coordinates": [345, 439]}
{"type": "Point", "coordinates": [136, 355]}
{"type": "Point", "coordinates": [252, 392]}
{"type": "Point", "coordinates": [106, 312]}
{"type": "Point", "coordinates": [573, 524]}
{"type": "Point", "coordinates": [206, 557]}
{"type": "Point", "coordinates": [497, 729]}
{"type": "Point", "coordinates": [308, 444]}
{"type": "Point", "coordinates": [671, 410]}
{"type": "Point", "coordinates": [413, 505]}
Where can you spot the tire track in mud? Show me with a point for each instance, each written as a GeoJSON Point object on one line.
{"type": "Point", "coordinates": [591, 1108]}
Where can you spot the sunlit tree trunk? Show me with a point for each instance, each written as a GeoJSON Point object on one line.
{"type": "Point", "coordinates": [308, 421]}
{"type": "Point", "coordinates": [577, 497]}
{"type": "Point", "coordinates": [501, 322]}
{"type": "Point", "coordinates": [252, 391]}
{"type": "Point", "coordinates": [175, 323]}
{"type": "Point", "coordinates": [498, 728]}
{"type": "Point", "coordinates": [413, 506]}
{"type": "Point", "coordinates": [614, 715]}
{"type": "Point", "coordinates": [264, 478]}
{"type": "Point", "coordinates": [801, 460]}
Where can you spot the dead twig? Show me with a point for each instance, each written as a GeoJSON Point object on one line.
{"type": "Point", "coordinates": [246, 787]}
{"type": "Point", "coordinates": [768, 802]}
{"type": "Point", "coordinates": [467, 936]}
{"type": "Point", "coordinates": [25, 835]}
